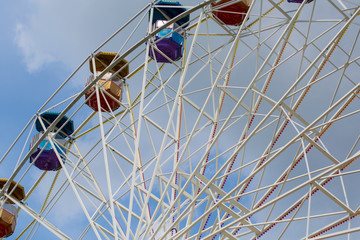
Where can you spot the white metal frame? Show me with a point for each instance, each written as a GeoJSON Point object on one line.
{"type": "Point", "coordinates": [200, 150]}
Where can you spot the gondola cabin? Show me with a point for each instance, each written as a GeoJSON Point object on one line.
{"type": "Point", "coordinates": [51, 150]}
{"type": "Point", "coordinates": [63, 128]}
{"type": "Point", "coordinates": [8, 211]}
{"type": "Point", "coordinates": [299, 1]}
{"type": "Point", "coordinates": [230, 12]}
{"type": "Point", "coordinates": [110, 85]}
{"type": "Point", "coordinates": [168, 43]}
{"type": "Point", "coordinates": [110, 95]}
{"type": "Point", "coordinates": [47, 157]}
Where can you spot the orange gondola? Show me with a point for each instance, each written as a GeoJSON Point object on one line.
{"type": "Point", "coordinates": [8, 211]}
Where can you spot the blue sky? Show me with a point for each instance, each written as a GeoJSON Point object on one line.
{"type": "Point", "coordinates": [16, 79]}
{"type": "Point", "coordinates": [42, 42]}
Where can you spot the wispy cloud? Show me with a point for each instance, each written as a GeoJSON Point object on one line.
{"type": "Point", "coordinates": [67, 31]}
{"type": "Point", "coordinates": [34, 56]}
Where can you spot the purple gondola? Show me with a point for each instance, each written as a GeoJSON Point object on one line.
{"type": "Point", "coordinates": [299, 1]}
{"type": "Point", "coordinates": [51, 150]}
{"type": "Point", "coordinates": [168, 43]}
{"type": "Point", "coordinates": [47, 157]}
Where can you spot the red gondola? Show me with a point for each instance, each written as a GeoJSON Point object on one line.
{"type": "Point", "coordinates": [231, 13]}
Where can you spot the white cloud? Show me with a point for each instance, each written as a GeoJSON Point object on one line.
{"type": "Point", "coordinates": [67, 31]}
{"type": "Point", "coordinates": [34, 56]}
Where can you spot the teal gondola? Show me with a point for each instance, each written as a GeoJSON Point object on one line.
{"type": "Point", "coordinates": [49, 117]}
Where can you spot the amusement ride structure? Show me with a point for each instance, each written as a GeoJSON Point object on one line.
{"type": "Point", "coordinates": [226, 119]}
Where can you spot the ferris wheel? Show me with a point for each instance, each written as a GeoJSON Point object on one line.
{"type": "Point", "coordinates": [231, 119]}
